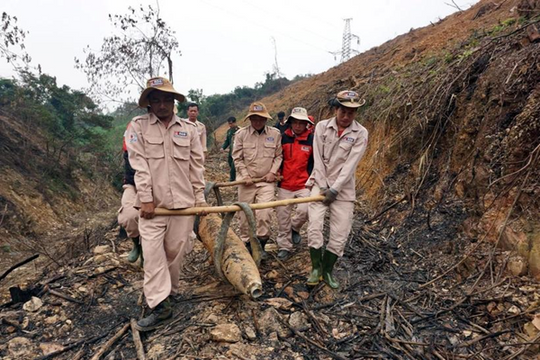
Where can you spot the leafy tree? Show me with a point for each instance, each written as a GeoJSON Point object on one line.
{"type": "Point", "coordinates": [12, 36]}
{"type": "Point", "coordinates": [143, 48]}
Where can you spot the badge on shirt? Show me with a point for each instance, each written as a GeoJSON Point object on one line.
{"type": "Point", "coordinates": [305, 148]}
{"type": "Point", "coordinates": [270, 139]}
{"type": "Point", "coordinates": [133, 138]}
{"type": "Point", "coordinates": [349, 139]}
{"type": "Point", "coordinates": [178, 134]}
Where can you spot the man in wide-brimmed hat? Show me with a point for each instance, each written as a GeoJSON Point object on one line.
{"type": "Point", "coordinates": [167, 156]}
{"type": "Point", "coordinates": [257, 154]}
{"type": "Point", "coordinates": [297, 144]}
{"type": "Point", "coordinates": [338, 146]}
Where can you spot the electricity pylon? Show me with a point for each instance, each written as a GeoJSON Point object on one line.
{"type": "Point", "coordinates": [346, 50]}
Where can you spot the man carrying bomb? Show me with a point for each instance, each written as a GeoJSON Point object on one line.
{"type": "Point", "coordinates": [128, 216]}
{"type": "Point", "coordinates": [338, 146]}
{"type": "Point", "coordinates": [167, 155]}
{"type": "Point", "coordinates": [257, 153]}
{"type": "Point", "coordinates": [297, 143]}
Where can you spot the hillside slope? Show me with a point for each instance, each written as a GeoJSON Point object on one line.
{"type": "Point", "coordinates": [45, 198]}
{"type": "Point", "coordinates": [453, 112]}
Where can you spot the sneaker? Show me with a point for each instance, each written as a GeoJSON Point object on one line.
{"type": "Point", "coordinates": [283, 254]}
{"type": "Point", "coordinates": [296, 238]}
{"type": "Point", "coordinates": [156, 318]}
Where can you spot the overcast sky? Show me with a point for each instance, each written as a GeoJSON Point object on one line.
{"type": "Point", "coordinates": [224, 44]}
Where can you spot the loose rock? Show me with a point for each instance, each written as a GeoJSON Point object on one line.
{"type": "Point", "coordinates": [227, 333]}
{"type": "Point", "coordinates": [33, 304]}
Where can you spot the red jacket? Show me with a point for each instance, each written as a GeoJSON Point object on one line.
{"type": "Point", "coordinates": [297, 160]}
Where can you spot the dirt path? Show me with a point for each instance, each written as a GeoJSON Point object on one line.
{"type": "Point", "coordinates": [382, 310]}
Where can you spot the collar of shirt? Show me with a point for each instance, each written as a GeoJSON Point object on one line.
{"type": "Point", "coordinates": [353, 127]}
{"type": "Point", "coordinates": [252, 130]}
{"type": "Point", "coordinates": [175, 119]}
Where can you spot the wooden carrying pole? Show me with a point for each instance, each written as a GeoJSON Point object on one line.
{"type": "Point", "coordinates": [233, 208]}
{"type": "Point", "coordinates": [243, 182]}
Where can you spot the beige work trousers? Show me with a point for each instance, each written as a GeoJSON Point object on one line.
{"type": "Point", "coordinates": [285, 222]}
{"type": "Point", "coordinates": [165, 241]}
{"type": "Point", "coordinates": [128, 216]}
{"type": "Point", "coordinates": [256, 193]}
{"type": "Point", "coordinates": [341, 217]}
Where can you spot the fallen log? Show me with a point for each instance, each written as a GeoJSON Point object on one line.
{"type": "Point", "coordinates": [237, 265]}
{"type": "Point", "coordinates": [234, 208]}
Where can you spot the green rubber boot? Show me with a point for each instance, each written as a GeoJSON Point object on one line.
{"type": "Point", "coordinates": [316, 270]}
{"type": "Point", "coordinates": [136, 251]}
{"type": "Point", "coordinates": [328, 262]}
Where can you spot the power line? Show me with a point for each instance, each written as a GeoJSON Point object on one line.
{"type": "Point", "coordinates": [265, 27]}
{"type": "Point", "coordinates": [287, 21]}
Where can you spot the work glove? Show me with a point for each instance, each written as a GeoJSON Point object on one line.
{"type": "Point", "coordinates": [330, 195]}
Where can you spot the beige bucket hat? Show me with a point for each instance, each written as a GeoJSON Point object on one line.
{"type": "Point", "coordinates": [258, 108]}
{"type": "Point", "coordinates": [349, 98]}
{"type": "Point", "coordinates": [161, 84]}
{"type": "Point", "coordinates": [299, 113]}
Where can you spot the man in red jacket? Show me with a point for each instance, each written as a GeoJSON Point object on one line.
{"type": "Point", "coordinates": [297, 143]}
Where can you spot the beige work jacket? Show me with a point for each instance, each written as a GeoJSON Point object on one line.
{"type": "Point", "coordinates": [168, 162]}
{"type": "Point", "coordinates": [336, 157]}
{"type": "Point", "coordinates": [201, 130]}
{"type": "Point", "coordinates": [254, 154]}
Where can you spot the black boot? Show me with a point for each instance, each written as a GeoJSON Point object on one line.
{"type": "Point", "coordinates": [158, 315]}
{"type": "Point", "coordinates": [316, 269]}
{"type": "Point", "coordinates": [296, 238]}
{"type": "Point", "coordinates": [328, 262]}
{"type": "Point", "coordinates": [263, 241]}
{"type": "Point", "coordinates": [136, 251]}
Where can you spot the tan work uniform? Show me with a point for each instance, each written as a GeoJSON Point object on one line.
{"type": "Point", "coordinates": [169, 173]}
{"type": "Point", "coordinates": [256, 155]}
{"type": "Point", "coordinates": [335, 160]}
{"type": "Point", "coordinates": [128, 216]}
{"type": "Point", "coordinates": [201, 130]}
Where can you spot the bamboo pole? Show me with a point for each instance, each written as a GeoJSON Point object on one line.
{"type": "Point", "coordinates": [243, 182]}
{"type": "Point", "coordinates": [233, 208]}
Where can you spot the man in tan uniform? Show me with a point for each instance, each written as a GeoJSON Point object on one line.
{"type": "Point", "coordinates": [338, 146]}
{"type": "Point", "coordinates": [257, 153]}
{"type": "Point", "coordinates": [193, 113]}
{"type": "Point", "coordinates": [167, 156]}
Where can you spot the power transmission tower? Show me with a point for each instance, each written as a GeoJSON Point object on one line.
{"type": "Point", "coordinates": [346, 50]}
{"type": "Point", "coordinates": [277, 72]}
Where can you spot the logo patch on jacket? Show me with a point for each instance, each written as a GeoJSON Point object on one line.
{"type": "Point", "coordinates": [349, 139]}
{"type": "Point", "coordinates": [180, 134]}
{"type": "Point", "coordinates": [305, 148]}
{"type": "Point", "coordinates": [270, 139]}
{"type": "Point", "coordinates": [132, 138]}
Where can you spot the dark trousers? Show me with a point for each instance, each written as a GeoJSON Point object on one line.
{"type": "Point", "coordinates": [232, 174]}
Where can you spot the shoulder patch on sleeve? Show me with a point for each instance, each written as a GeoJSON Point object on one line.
{"type": "Point", "coordinates": [141, 118]}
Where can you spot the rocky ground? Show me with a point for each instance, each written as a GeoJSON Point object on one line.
{"type": "Point", "coordinates": [407, 291]}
